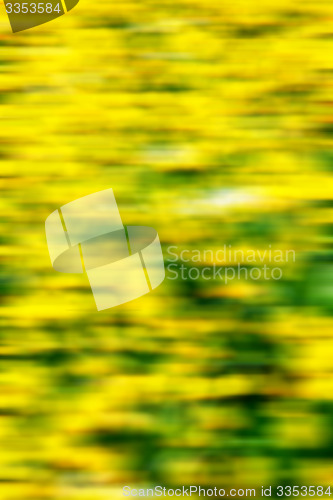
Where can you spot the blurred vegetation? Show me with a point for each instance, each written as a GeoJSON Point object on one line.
{"type": "Point", "coordinates": [178, 106]}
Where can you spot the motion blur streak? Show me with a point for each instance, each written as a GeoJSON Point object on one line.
{"type": "Point", "coordinates": [212, 121]}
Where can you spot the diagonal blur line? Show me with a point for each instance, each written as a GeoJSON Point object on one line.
{"type": "Point", "coordinates": [128, 241]}
{"type": "Point", "coordinates": [64, 227]}
{"type": "Point", "coordinates": [82, 259]}
{"type": "Point", "coordinates": [63, 3]}
{"type": "Point", "coordinates": [145, 272]}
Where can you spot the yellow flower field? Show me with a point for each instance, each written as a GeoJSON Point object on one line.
{"type": "Point", "coordinates": [212, 122]}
